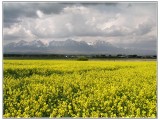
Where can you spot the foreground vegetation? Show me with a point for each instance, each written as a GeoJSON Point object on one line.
{"type": "Point", "coordinates": [45, 88]}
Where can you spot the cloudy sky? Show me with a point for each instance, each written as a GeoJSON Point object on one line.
{"type": "Point", "coordinates": [124, 24]}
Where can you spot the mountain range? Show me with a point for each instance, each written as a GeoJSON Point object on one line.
{"type": "Point", "coordinates": [70, 46]}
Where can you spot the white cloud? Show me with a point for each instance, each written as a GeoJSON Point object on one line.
{"type": "Point", "coordinates": [39, 13]}
{"type": "Point", "coordinates": [18, 32]}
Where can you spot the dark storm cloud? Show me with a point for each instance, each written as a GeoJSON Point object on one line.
{"type": "Point", "coordinates": [7, 22]}
{"type": "Point", "coordinates": [12, 11]}
{"type": "Point", "coordinates": [99, 3]}
{"type": "Point", "coordinates": [50, 8]}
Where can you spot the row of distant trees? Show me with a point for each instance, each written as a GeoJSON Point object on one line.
{"type": "Point", "coordinates": [60, 56]}
{"type": "Point", "coordinates": [125, 56]}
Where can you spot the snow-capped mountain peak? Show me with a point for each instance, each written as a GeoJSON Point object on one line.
{"type": "Point", "coordinates": [90, 43]}
{"type": "Point", "coordinates": [36, 43]}
{"type": "Point", "coordinates": [22, 43]}
{"type": "Point", "coordinates": [69, 47]}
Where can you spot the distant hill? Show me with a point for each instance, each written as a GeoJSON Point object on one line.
{"type": "Point", "coordinates": [70, 47]}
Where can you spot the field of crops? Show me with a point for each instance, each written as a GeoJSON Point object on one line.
{"type": "Point", "coordinates": [90, 89]}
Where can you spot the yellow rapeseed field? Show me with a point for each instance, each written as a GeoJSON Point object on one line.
{"type": "Point", "coordinates": [87, 89]}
